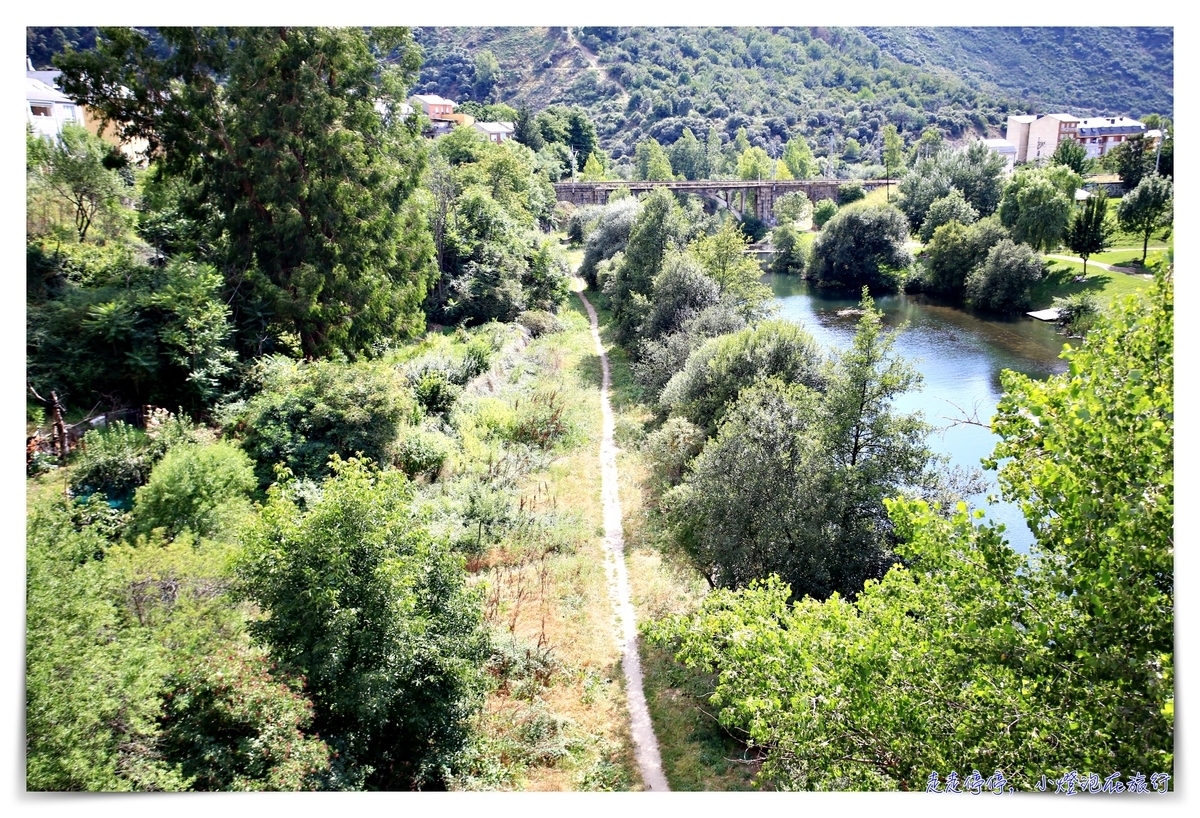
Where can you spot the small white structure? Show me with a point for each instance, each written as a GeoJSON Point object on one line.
{"type": "Point", "coordinates": [1006, 149]}
{"type": "Point", "coordinates": [47, 109]}
{"type": "Point", "coordinates": [496, 131]}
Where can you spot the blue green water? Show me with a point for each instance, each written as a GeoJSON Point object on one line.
{"type": "Point", "coordinates": [960, 357]}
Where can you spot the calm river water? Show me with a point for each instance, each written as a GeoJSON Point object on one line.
{"type": "Point", "coordinates": [960, 357]}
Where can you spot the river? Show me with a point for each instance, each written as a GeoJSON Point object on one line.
{"type": "Point", "coordinates": [960, 357]}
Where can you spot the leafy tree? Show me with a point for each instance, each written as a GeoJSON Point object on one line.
{"type": "Point", "coordinates": [296, 139]}
{"type": "Point", "coordinates": [928, 144]}
{"type": "Point", "coordinates": [794, 480]}
{"type": "Point", "coordinates": [792, 207]}
{"type": "Point", "coordinates": [187, 488]}
{"type": "Point", "coordinates": [378, 619]}
{"type": "Point", "coordinates": [1133, 160]}
{"type": "Point", "coordinates": [861, 245]}
{"type": "Point", "coordinates": [754, 164]}
{"type": "Point", "coordinates": [824, 210]}
{"type": "Point", "coordinates": [681, 291]}
{"type": "Point", "coordinates": [487, 73]}
{"type": "Point", "coordinates": [790, 252]}
{"type": "Point", "coordinates": [1090, 228]}
{"type": "Point", "coordinates": [1036, 210]}
{"type": "Point", "coordinates": [976, 172]}
{"type": "Point", "coordinates": [134, 334]}
{"type": "Point", "coordinates": [893, 154]}
{"type": "Point", "coordinates": [526, 132]}
{"type": "Point", "coordinates": [93, 689]}
{"type": "Point", "coordinates": [1071, 154]}
{"type": "Point", "coordinates": [1037, 665]}
{"type": "Point", "coordinates": [593, 169]}
{"type": "Point", "coordinates": [955, 250]}
{"type": "Point", "coordinates": [659, 359]}
{"type": "Point", "coordinates": [75, 171]}
{"type": "Point", "coordinates": [950, 208]}
{"type": "Point", "coordinates": [661, 226]}
{"type": "Point", "coordinates": [708, 384]}
{"type": "Point", "coordinates": [799, 159]}
{"type": "Point", "coordinates": [652, 162]}
{"type": "Point", "coordinates": [609, 236]}
{"type": "Point", "coordinates": [714, 156]}
{"type": "Point", "coordinates": [1002, 283]}
{"type": "Point", "coordinates": [722, 255]}
{"type": "Point", "coordinates": [1147, 208]}
{"type": "Point", "coordinates": [687, 156]}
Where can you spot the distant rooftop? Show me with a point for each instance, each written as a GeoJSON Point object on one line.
{"type": "Point", "coordinates": [1097, 125]}
{"type": "Point", "coordinates": [433, 99]}
{"type": "Point", "coordinates": [38, 91]}
{"type": "Point", "coordinates": [496, 127]}
{"type": "Point", "coordinates": [1001, 145]}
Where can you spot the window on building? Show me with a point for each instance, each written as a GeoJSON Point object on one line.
{"type": "Point", "coordinates": [41, 110]}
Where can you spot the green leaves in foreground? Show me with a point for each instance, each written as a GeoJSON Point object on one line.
{"type": "Point", "coordinates": [970, 655]}
{"type": "Point", "coordinates": [377, 618]}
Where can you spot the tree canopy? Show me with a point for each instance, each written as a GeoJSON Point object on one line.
{"type": "Point", "coordinates": [294, 136]}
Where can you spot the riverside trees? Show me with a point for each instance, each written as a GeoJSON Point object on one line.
{"type": "Point", "coordinates": [970, 655]}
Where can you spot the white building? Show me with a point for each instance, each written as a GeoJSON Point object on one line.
{"type": "Point", "coordinates": [1006, 149]}
{"type": "Point", "coordinates": [496, 131]}
{"type": "Point", "coordinates": [47, 109]}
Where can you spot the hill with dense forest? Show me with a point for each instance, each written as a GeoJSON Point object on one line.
{"type": "Point", "coordinates": [830, 84]}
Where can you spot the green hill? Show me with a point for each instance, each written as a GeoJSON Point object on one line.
{"type": "Point", "coordinates": [827, 83]}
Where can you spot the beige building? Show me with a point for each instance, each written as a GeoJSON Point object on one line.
{"type": "Point", "coordinates": [435, 107]}
{"type": "Point", "coordinates": [496, 131]}
{"type": "Point", "coordinates": [1036, 137]}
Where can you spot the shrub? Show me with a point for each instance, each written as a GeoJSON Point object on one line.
{"type": "Point", "coordinates": [790, 253]}
{"type": "Point", "coordinates": [1002, 283]}
{"type": "Point", "coordinates": [190, 483]}
{"type": "Point", "coordinates": [1077, 312]}
{"type": "Point", "coordinates": [303, 413]}
{"type": "Point", "coordinates": [659, 359]}
{"type": "Point", "coordinates": [850, 192]}
{"type": "Point", "coordinates": [823, 212]}
{"type": "Point", "coordinates": [423, 452]}
{"type": "Point", "coordinates": [539, 322]}
{"type": "Point", "coordinates": [672, 446]}
{"type": "Point", "coordinates": [435, 391]}
{"type": "Point", "coordinates": [609, 236]}
{"type": "Point", "coordinates": [115, 460]}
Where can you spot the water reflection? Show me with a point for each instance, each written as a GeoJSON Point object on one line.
{"type": "Point", "coordinates": [960, 357]}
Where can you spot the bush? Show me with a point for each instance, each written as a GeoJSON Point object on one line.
{"type": "Point", "coordinates": [609, 236]}
{"type": "Point", "coordinates": [423, 452]}
{"type": "Point", "coordinates": [190, 483]}
{"type": "Point", "coordinates": [1077, 312]}
{"type": "Point", "coordinates": [1002, 283]}
{"type": "Point", "coordinates": [850, 192]}
{"type": "Point", "coordinates": [679, 292]}
{"type": "Point", "coordinates": [580, 223]}
{"type": "Point", "coordinates": [435, 392]}
{"type": "Point", "coordinates": [541, 420]}
{"type": "Point", "coordinates": [659, 359]}
{"type": "Point", "coordinates": [671, 447]}
{"type": "Point", "coordinates": [539, 322]}
{"type": "Point", "coordinates": [305, 412]}
{"type": "Point", "coordinates": [114, 461]}
{"type": "Point", "coordinates": [823, 212]}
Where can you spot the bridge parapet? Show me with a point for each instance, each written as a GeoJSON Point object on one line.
{"type": "Point", "coordinates": [733, 192]}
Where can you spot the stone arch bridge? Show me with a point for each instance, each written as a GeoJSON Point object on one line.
{"type": "Point", "coordinates": [758, 198]}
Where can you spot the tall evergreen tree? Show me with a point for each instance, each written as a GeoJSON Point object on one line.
{"type": "Point", "coordinates": [296, 139]}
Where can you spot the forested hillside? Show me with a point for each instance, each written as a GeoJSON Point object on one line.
{"type": "Point", "coordinates": [1101, 71]}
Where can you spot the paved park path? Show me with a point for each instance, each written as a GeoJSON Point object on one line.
{"type": "Point", "coordinates": [649, 760]}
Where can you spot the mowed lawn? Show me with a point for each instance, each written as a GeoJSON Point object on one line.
{"type": "Point", "coordinates": [1104, 285]}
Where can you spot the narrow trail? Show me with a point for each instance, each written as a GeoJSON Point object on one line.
{"type": "Point", "coordinates": [645, 743]}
